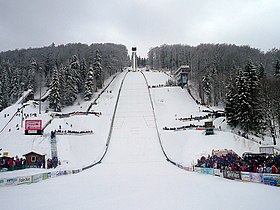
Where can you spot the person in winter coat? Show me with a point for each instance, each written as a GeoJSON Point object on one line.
{"type": "Point", "coordinates": [274, 169]}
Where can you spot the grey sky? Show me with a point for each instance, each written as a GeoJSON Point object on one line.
{"type": "Point", "coordinates": [141, 23]}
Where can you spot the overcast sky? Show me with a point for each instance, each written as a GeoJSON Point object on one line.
{"type": "Point", "coordinates": [140, 23]}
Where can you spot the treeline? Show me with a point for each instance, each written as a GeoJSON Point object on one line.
{"type": "Point", "coordinates": [67, 70]}
{"type": "Point", "coordinates": [244, 79]}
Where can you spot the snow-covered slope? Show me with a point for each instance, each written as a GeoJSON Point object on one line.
{"type": "Point", "coordinates": [134, 174]}
{"type": "Point", "coordinates": [186, 146]}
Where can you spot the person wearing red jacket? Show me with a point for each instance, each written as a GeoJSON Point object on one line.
{"type": "Point", "coordinates": [10, 162]}
{"type": "Point", "coordinates": [273, 169]}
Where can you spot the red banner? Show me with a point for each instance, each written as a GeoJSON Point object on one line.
{"type": "Point", "coordinates": [33, 125]}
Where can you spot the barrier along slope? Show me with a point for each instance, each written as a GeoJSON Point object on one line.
{"type": "Point", "coordinates": [261, 178]}
{"type": "Point", "coordinates": [29, 179]}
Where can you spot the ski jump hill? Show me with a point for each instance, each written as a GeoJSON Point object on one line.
{"type": "Point", "coordinates": [131, 161]}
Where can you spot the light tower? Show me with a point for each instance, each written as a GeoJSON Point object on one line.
{"type": "Point", "coordinates": [134, 59]}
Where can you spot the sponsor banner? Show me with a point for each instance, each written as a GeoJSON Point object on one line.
{"type": "Point", "coordinates": [45, 176]}
{"type": "Point", "coordinates": [232, 175]}
{"type": "Point", "coordinates": [53, 174]}
{"type": "Point", "coordinates": [245, 176]}
{"type": "Point", "coordinates": [272, 179]}
{"type": "Point", "coordinates": [257, 178]}
{"type": "Point", "coordinates": [49, 175]}
{"type": "Point", "coordinates": [62, 173]}
{"type": "Point", "coordinates": [204, 170]}
{"type": "Point", "coordinates": [208, 171]}
{"type": "Point", "coordinates": [11, 181]}
{"type": "Point", "coordinates": [217, 172]}
{"type": "Point", "coordinates": [198, 170]}
{"type": "Point", "coordinates": [37, 178]}
{"type": "Point", "coordinates": [24, 180]}
{"type": "Point", "coordinates": [186, 168]}
{"type": "Point", "coordinates": [76, 171]}
{"type": "Point", "coordinates": [33, 125]}
{"type": "Point", "coordinates": [2, 182]}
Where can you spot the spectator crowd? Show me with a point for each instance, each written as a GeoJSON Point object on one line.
{"type": "Point", "coordinates": [257, 163]}
{"type": "Point", "coordinates": [16, 163]}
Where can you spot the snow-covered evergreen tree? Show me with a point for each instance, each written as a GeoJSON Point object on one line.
{"type": "Point", "coordinates": [62, 84]}
{"type": "Point", "coordinates": [75, 71]}
{"type": "Point", "coordinates": [98, 73]}
{"type": "Point", "coordinates": [89, 84]}
{"type": "Point", "coordinates": [31, 74]}
{"type": "Point", "coordinates": [206, 85]}
{"type": "Point", "coordinates": [54, 97]}
{"type": "Point", "coordinates": [277, 69]}
{"type": "Point", "coordinates": [71, 89]}
{"type": "Point", "coordinates": [83, 72]}
{"type": "Point", "coordinates": [14, 90]}
{"type": "Point", "coordinates": [2, 103]}
{"type": "Point", "coordinates": [244, 99]}
{"type": "Point", "coordinates": [6, 85]}
{"type": "Point", "coordinates": [231, 103]}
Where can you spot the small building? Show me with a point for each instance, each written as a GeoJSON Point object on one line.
{"type": "Point", "coordinates": [33, 157]}
{"type": "Point", "coordinates": [182, 75]}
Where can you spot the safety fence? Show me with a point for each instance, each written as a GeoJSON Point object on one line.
{"type": "Point", "coordinates": [36, 178]}
{"type": "Point", "coordinates": [262, 178]}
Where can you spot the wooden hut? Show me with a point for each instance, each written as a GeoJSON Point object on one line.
{"type": "Point", "coordinates": [32, 158]}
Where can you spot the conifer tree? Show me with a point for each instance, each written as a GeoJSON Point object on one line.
{"type": "Point", "coordinates": [89, 84]}
{"type": "Point", "coordinates": [71, 89]}
{"type": "Point", "coordinates": [249, 115]}
{"type": "Point", "coordinates": [231, 105]}
{"type": "Point", "coordinates": [98, 73]}
{"type": "Point", "coordinates": [206, 85]}
{"type": "Point", "coordinates": [277, 69]}
{"type": "Point", "coordinates": [62, 85]}
{"type": "Point", "coordinates": [2, 105]}
{"type": "Point", "coordinates": [31, 74]}
{"type": "Point", "coordinates": [83, 73]}
{"type": "Point", "coordinates": [14, 90]}
{"type": "Point", "coordinates": [54, 97]}
{"type": "Point", "coordinates": [75, 71]}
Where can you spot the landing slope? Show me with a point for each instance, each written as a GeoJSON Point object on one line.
{"type": "Point", "coordinates": [135, 175]}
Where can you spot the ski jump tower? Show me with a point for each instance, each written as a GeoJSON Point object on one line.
{"type": "Point", "coordinates": [134, 59]}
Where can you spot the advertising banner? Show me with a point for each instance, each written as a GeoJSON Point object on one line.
{"type": "Point", "coordinates": [33, 125]}
{"type": "Point", "coordinates": [37, 178]}
{"type": "Point", "coordinates": [2, 182]}
{"type": "Point", "coordinates": [257, 178]}
{"type": "Point", "coordinates": [232, 175]}
{"type": "Point", "coordinates": [272, 179]}
{"type": "Point", "coordinates": [75, 171]}
{"type": "Point", "coordinates": [217, 172]}
{"type": "Point", "coordinates": [45, 176]}
{"type": "Point", "coordinates": [197, 169]}
{"type": "Point", "coordinates": [24, 180]}
{"type": "Point", "coordinates": [11, 181]}
{"type": "Point", "coordinates": [186, 168]}
{"type": "Point", "coordinates": [208, 171]}
{"type": "Point", "coordinates": [204, 170]}
{"type": "Point", "coordinates": [245, 176]}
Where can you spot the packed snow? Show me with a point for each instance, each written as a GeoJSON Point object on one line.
{"type": "Point", "coordinates": [134, 173]}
